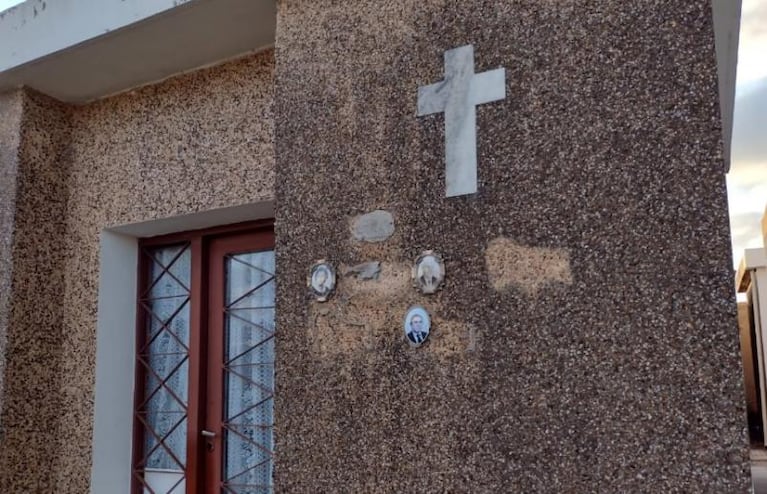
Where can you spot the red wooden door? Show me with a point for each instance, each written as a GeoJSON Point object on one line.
{"type": "Point", "coordinates": [205, 363]}
{"type": "Point", "coordinates": [238, 433]}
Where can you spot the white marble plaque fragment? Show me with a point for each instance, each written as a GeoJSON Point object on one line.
{"type": "Point", "coordinates": [365, 271]}
{"type": "Point", "coordinates": [376, 226]}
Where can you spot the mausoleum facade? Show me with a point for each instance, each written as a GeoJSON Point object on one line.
{"type": "Point", "coordinates": [387, 246]}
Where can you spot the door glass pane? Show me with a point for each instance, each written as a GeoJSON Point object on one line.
{"type": "Point", "coordinates": [249, 372]}
{"type": "Point", "coordinates": [164, 362]}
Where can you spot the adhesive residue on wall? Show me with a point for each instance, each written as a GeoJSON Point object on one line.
{"type": "Point", "coordinates": [365, 315]}
{"type": "Point", "coordinates": [528, 269]}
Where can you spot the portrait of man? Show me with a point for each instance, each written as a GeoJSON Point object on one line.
{"type": "Point", "coordinates": [417, 325]}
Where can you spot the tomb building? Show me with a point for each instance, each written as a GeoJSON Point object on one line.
{"type": "Point", "coordinates": [210, 213]}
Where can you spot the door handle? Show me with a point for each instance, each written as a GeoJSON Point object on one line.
{"type": "Point", "coordinates": [208, 434]}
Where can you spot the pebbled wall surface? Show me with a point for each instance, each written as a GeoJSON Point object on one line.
{"type": "Point", "coordinates": [585, 339]}
{"type": "Point", "coordinates": [192, 143]}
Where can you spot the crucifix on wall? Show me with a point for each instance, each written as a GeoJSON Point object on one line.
{"type": "Point", "coordinates": [457, 96]}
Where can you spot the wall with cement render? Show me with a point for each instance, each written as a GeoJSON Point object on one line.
{"type": "Point", "coordinates": [31, 404]}
{"type": "Point", "coordinates": [10, 123]}
{"type": "Point", "coordinates": [585, 339]}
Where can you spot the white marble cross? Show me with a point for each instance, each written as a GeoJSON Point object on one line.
{"type": "Point", "coordinates": [457, 96]}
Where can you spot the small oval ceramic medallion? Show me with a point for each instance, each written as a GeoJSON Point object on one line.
{"type": "Point", "coordinates": [322, 280]}
{"type": "Point", "coordinates": [429, 272]}
{"type": "Point", "coordinates": [417, 325]}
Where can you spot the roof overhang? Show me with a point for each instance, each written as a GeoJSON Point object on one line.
{"type": "Point", "coordinates": [81, 50]}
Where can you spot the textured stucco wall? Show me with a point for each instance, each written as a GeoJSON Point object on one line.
{"type": "Point", "coordinates": [10, 123]}
{"type": "Point", "coordinates": [586, 337]}
{"type": "Point", "coordinates": [192, 143]}
{"type": "Point", "coordinates": [31, 402]}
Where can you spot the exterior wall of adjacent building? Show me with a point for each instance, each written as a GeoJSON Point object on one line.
{"type": "Point", "coordinates": [194, 143]}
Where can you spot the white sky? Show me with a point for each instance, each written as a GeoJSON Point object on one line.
{"type": "Point", "coordinates": [747, 180]}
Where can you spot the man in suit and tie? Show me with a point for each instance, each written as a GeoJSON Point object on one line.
{"type": "Point", "coordinates": [416, 333]}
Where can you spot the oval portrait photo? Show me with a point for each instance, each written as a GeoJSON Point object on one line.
{"type": "Point", "coordinates": [417, 325]}
{"type": "Point", "coordinates": [429, 272]}
{"type": "Point", "coordinates": [322, 280]}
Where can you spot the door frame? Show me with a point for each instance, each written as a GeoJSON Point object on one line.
{"type": "Point", "coordinates": [219, 249]}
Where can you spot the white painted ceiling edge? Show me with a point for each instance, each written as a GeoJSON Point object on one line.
{"type": "Point", "coordinates": [78, 51]}
{"type": "Point", "coordinates": [37, 28]}
{"type": "Point", "coordinates": [82, 50]}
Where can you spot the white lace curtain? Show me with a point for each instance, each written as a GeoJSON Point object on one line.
{"type": "Point", "coordinates": [249, 365]}
{"type": "Point", "coordinates": [168, 357]}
